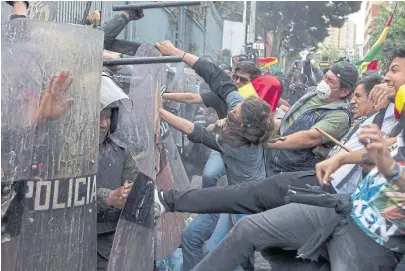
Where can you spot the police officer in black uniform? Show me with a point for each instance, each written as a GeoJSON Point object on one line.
{"type": "Point", "coordinates": [116, 172]}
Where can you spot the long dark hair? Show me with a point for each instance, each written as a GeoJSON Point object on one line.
{"type": "Point", "coordinates": [255, 126]}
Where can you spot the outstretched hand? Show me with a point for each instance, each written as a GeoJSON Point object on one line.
{"type": "Point", "coordinates": [54, 103]}
{"type": "Point", "coordinates": [167, 48]}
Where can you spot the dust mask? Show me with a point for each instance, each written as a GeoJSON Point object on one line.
{"type": "Point", "coordinates": [323, 90]}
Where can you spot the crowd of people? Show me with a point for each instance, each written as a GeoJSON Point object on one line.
{"type": "Point", "coordinates": [357, 220]}
{"type": "Point", "coordinates": [315, 177]}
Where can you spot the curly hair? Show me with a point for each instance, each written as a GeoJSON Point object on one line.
{"type": "Point", "coordinates": [255, 126]}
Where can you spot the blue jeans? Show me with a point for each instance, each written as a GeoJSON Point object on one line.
{"type": "Point", "coordinates": [172, 262]}
{"type": "Point", "coordinates": [214, 169]}
{"type": "Point", "coordinates": [194, 236]}
{"type": "Point", "coordinates": [223, 227]}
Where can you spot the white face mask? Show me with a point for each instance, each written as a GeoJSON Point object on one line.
{"type": "Point", "coordinates": [323, 90]}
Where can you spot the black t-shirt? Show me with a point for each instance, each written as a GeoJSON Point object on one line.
{"type": "Point", "coordinates": [210, 99]}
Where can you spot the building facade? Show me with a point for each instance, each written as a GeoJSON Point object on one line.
{"type": "Point", "coordinates": [342, 39]}
{"type": "Point", "coordinates": [372, 10]}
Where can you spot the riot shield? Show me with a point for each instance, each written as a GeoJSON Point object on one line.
{"type": "Point", "coordinates": [172, 175]}
{"type": "Point", "coordinates": [49, 160]}
{"type": "Point", "coordinates": [133, 244]}
{"type": "Point", "coordinates": [187, 111]}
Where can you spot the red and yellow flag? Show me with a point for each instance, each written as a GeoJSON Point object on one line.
{"type": "Point", "coordinates": [247, 91]}
{"type": "Point", "coordinates": [370, 61]}
{"type": "Point", "coordinates": [267, 62]}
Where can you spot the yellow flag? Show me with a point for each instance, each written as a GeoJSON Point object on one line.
{"type": "Point", "coordinates": [247, 91]}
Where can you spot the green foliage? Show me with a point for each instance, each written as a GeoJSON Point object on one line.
{"type": "Point", "coordinates": [396, 34]}
{"type": "Point", "coordinates": [302, 25]}
{"type": "Point", "coordinates": [331, 53]}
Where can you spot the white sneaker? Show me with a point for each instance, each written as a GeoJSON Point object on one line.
{"type": "Point", "coordinates": [158, 206]}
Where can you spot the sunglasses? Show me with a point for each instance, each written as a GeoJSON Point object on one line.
{"type": "Point", "coordinates": [242, 79]}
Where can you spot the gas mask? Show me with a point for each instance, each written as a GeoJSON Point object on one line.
{"type": "Point", "coordinates": [323, 90]}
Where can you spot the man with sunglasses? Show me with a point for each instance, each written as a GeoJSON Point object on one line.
{"type": "Point", "coordinates": [324, 107]}
{"type": "Point", "coordinates": [267, 87]}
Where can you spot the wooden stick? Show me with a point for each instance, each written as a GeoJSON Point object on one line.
{"type": "Point", "coordinates": [331, 138]}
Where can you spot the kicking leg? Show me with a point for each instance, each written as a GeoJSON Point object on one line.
{"type": "Point", "coordinates": [287, 227]}
{"type": "Point", "coordinates": [263, 195]}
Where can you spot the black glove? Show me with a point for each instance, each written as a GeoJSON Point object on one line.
{"type": "Point", "coordinates": [135, 14]}
{"type": "Point", "coordinates": [11, 3]}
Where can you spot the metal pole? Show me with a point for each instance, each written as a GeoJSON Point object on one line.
{"type": "Point", "coordinates": [205, 28]}
{"type": "Point", "coordinates": [142, 60]}
{"type": "Point", "coordinates": [244, 19]}
{"type": "Point", "coordinates": [181, 28]}
{"type": "Point", "coordinates": [252, 24]}
{"type": "Point", "coordinates": [155, 5]}
{"type": "Point", "coordinates": [86, 12]}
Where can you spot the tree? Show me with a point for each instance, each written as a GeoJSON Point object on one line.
{"type": "Point", "coordinates": [331, 53]}
{"type": "Point", "coordinates": [302, 25]}
{"type": "Point", "coordinates": [295, 26]}
{"type": "Point", "coordinates": [396, 32]}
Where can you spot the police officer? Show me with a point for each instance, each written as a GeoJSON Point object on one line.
{"type": "Point", "coordinates": [116, 172]}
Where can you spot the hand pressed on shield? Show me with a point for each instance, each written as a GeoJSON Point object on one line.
{"type": "Point", "coordinates": [54, 103]}
{"type": "Point", "coordinates": [167, 48]}
{"type": "Point", "coordinates": [325, 168]}
{"type": "Point", "coordinates": [118, 197]}
{"type": "Point", "coordinates": [380, 96]}
{"type": "Point", "coordinates": [377, 147]}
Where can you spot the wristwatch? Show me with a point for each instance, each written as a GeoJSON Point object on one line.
{"type": "Point", "coordinates": [395, 173]}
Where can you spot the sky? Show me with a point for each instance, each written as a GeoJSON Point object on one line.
{"type": "Point", "coordinates": [358, 18]}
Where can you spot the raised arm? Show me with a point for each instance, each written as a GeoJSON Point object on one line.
{"type": "Point", "coordinates": [188, 98]}
{"type": "Point", "coordinates": [195, 133]}
{"type": "Point", "coordinates": [180, 124]}
{"type": "Point", "coordinates": [218, 81]}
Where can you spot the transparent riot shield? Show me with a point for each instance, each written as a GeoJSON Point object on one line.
{"type": "Point", "coordinates": [49, 144]}
{"type": "Point", "coordinates": [134, 238]}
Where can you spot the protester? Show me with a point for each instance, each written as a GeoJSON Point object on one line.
{"type": "Point", "coordinates": [113, 28]}
{"type": "Point", "coordinates": [342, 181]}
{"type": "Point", "coordinates": [202, 227]}
{"type": "Point", "coordinates": [361, 104]}
{"type": "Point", "coordinates": [270, 193]}
{"type": "Point", "coordinates": [296, 89]}
{"type": "Point", "coordinates": [245, 129]}
{"type": "Point", "coordinates": [209, 99]}
{"type": "Point", "coordinates": [313, 73]}
{"type": "Point", "coordinates": [267, 87]}
{"type": "Point", "coordinates": [323, 108]}
{"type": "Point", "coordinates": [372, 247]}
{"type": "Point", "coordinates": [233, 199]}
{"type": "Point", "coordinates": [245, 72]}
